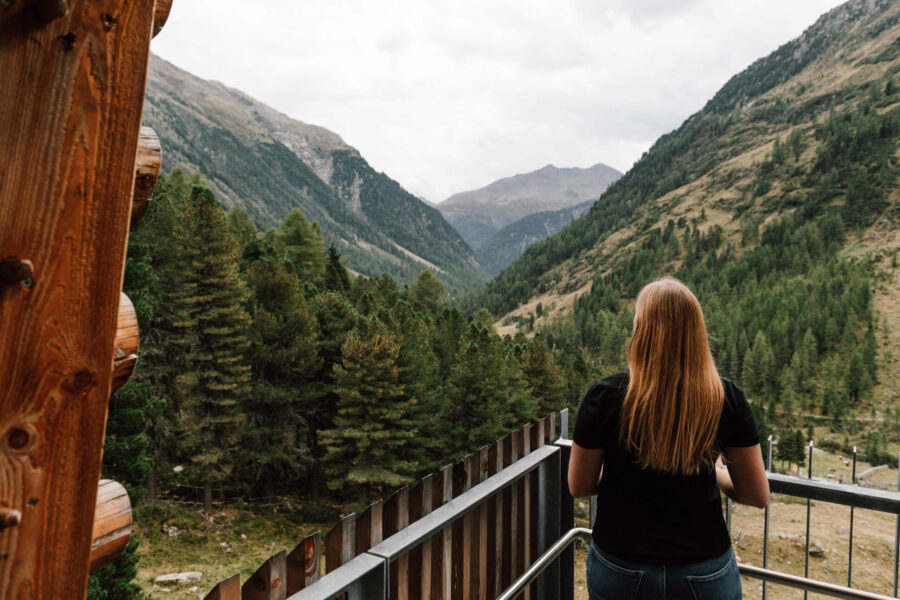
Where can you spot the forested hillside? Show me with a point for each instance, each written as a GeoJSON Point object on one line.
{"type": "Point", "coordinates": [267, 368]}
{"type": "Point", "coordinates": [778, 204]}
{"type": "Point", "coordinates": [252, 156]}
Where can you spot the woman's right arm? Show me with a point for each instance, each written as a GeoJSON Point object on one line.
{"type": "Point", "coordinates": [744, 480]}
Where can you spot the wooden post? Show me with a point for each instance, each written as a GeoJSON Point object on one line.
{"type": "Point", "coordinates": [112, 523]}
{"type": "Point", "coordinates": [70, 110]}
{"type": "Point", "coordinates": [303, 563]}
{"type": "Point", "coordinates": [268, 583]}
{"type": "Point", "coordinates": [161, 15]}
{"type": "Point", "coordinates": [227, 589]}
{"type": "Point", "coordinates": [146, 171]}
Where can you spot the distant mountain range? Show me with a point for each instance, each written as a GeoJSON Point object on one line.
{"type": "Point", "coordinates": [479, 214]}
{"type": "Point", "coordinates": [252, 155]}
{"type": "Point", "coordinates": [500, 220]}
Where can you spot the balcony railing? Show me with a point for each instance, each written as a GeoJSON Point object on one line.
{"type": "Point", "coordinates": [462, 548]}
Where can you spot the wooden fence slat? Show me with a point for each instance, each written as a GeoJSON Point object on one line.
{"type": "Point", "coordinates": [458, 561]}
{"type": "Point", "coordinates": [369, 528]}
{"type": "Point", "coordinates": [303, 563]}
{"type": "Point", "coordinates": [470, 532]}
{"type": "Point", "coordinates": [495, 525]}
{"type": "Point", "coordinates": [419, 564]}
{"type": "Point", "coordinates": [442, 492]}
{"type": "Point", "coordinates": [396, 517]}
{"type": "Point", "coordinates": [340, 543]}
{"type": "Point", "coordinates": [508, 554]}
{"type": "Point", "coordinates": [268, 583]}
{"type": "Point", "coordinates": [227, 589]}
{"type": "Point", "coordinates": [551, 428]}
{"type": "Point", "coordinates": [481, 555]}
{"type": "Point", "coordinates": [525, 520]}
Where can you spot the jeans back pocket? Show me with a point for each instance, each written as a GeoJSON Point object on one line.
{"type": "Point", "coordinates": [724, 584]}
{"type": "Point", "coordinates": [609, 581]}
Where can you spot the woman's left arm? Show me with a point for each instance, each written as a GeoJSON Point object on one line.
{"type": "Point", "coordinates": [585, 470]}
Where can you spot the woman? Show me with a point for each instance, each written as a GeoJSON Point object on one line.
{"type": "Point", "coordinates": [654, 434]}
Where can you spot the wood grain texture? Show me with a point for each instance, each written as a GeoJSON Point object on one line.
{"type": "Point", "coordinates": [268, 583]}
{"type": "Point", "coordinates": [147, 165]}
{"type": "Point", "coordinates": [70, 109]}
{"type": "Point", "coordinates": [112, 523]}
{"type": "Point", "coordinates": [163, 8]}
{"type": "Point", "coordinates": [302, 565]}
{"type": "Point", "coordinates": [227, 589]}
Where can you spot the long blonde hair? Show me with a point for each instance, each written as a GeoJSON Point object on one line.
{"type": "Point", "coordinates": [674, 399]}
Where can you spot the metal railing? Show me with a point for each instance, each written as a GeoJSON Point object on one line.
{"type": "Point", "coordinates": [368, 575]}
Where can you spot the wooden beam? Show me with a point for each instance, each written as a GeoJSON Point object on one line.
{"type": "Point", "coordinates": [126, 346]}
{"type": "Point", "coordinates": [146, 172]}
{"type": "Point", "coordinates": [70, 110]}
{"type": "Point", "coordinates": [112, 523]}
{"type": "Point", "coordinates": [163, 7]}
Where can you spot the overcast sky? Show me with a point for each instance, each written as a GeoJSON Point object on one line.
{"type": "Point", "coordinates": [447, 96]}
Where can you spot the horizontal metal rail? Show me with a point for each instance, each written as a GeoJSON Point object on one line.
{"type": "Point", "coordinates": [795, 581]}
{"type": "Point", "coordinates": [545, 560]}
{"type": "Point", "coordinates": [809, 585]}
{"type": "Point", "coordinates": [838, 493]}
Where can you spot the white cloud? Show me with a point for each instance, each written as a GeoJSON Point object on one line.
{"type": "Point", "coordinates": [447, 96]}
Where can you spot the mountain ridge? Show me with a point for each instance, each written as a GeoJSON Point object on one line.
{"type": "Point", "coordinates": [478, 214]}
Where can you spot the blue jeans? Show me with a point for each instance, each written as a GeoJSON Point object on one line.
{"type": "Point", "coordinates": [611, 578]}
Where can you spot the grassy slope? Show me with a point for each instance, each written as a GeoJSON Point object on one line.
{"type": "Point", "coordinates": [836, 80]}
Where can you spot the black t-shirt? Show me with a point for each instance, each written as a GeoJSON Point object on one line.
{"type": "Point", "coordinates": [648, 516]}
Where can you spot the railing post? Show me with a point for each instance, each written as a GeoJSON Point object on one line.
{"type": "Point", "coordinates": [548, 530]}
{"type": "Point", "coordinates": [566, 589]}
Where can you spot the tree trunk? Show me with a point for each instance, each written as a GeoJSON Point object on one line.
{"type": "Point", "coordinates": [207, 497]}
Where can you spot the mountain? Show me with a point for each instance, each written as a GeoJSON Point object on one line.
{"type": "Point", "coordinates": [509, 243]}
{"type": "Point", "coordinates": [252, 155]}
{"type": "Point", "coordinates": [479, 214]}
{"type": "Point", "coordinates": [779, 204]}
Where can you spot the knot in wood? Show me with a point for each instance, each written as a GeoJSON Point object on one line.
{"type": "Point", "coordinates": [15, 270]}
{"type": "Point", "coordinates": [21, 438]}
{"type": "Point", "coordinates": [50, 10]}
{"type": "Point", "coordinates": [9, 518]}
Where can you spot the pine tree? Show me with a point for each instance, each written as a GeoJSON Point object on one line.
{"type": "Point", "coordinates": [212, 329]}
{"type": "Point", "coordinates": [284, 357]}
{"type": "Point", "coordinates": [543, 376]}
{"type": "Point", "coordinates": [486, 393]}
{"type": "Point", "coordinates": [369, 450]}
{"type": "Point", "coordinates": [303, 245]}
{"type": "Point", "coordinates": [336, 277]}
{"type": "Point", "coordinates": [428, 291]}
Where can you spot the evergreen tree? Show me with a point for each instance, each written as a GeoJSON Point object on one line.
{"type": "Point", "coordinates": [284, 357]}
{"type": "Point", "coordinates": [213, 338]}
{"type": "Point", "coordinates": [428, 291]}
{"type": "Point", "coordinates": [336, 277]}
{"type": "Point", "coordinates": [486, 393]}
{"type": "Point", "coordinates": [369, 449]}
{"type": "Point", "coordinates": [114, 581]}
{"type": "Point", "coordinates": [303, 243]}
{"type": "Point", "coordinates": [542, 376]}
